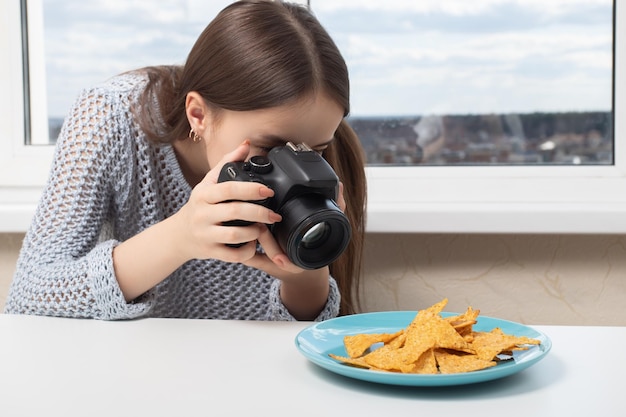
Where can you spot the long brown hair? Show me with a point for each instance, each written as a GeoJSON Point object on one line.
{"type": "Point", "coordinates": [259, 54]}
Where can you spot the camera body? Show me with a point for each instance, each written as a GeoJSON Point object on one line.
{"type": "Point", "coordinates": [314, 231]}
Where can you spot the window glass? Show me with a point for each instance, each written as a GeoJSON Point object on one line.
{"type": "Point", "coordinates": [434, 82]}
{"type": "Point", "coordinates": [489, 82]}
{"type": "Point", "coordinates": [86, 42]}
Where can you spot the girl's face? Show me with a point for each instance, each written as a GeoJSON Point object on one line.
{"type": "Point", "coordinates": [312, 120]}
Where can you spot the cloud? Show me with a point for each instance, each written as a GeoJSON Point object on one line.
{"type": "Point", "coordinates": [455, 7]}
{"type": "Point", "coordinates": [87, 42]}
{"type": "Point", "coordinates": [467, 57]}
{"type": "Point", "coordinates": [404, 56]}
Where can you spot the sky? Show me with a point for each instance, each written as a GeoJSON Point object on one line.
{"type": "Point", "coordinates": [405, 57]}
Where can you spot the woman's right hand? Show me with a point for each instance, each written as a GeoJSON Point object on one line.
{"type": "Point", "coordinates": [196, 231]}
{"type": "Point", "coordinates": [201, 233]}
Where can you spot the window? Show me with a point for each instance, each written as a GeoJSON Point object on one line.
{"type": "Point", "coordinates": [478, 83]}
{"type": "Point", "coordinates": [88, 42]}
{"type": "Point", "coordinates": [467, 158]}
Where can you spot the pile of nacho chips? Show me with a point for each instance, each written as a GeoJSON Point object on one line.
{"type": "Point", "coordinates": [432, 344]}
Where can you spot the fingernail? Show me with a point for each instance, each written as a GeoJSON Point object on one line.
{"type": "Point", "coordinates": [246, 142]}
{"type": "Point", "coordinates": [275, 217]}
{"type": "Point", "coordinates": [266, 192]}
{"type": "Point", "coordinates": [278, 261]}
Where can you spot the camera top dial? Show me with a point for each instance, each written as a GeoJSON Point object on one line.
{"type": "Point", "coordinates": [259, 164]}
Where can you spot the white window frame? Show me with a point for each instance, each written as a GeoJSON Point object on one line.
{"type": "Point", "coordinates": [485, 199]}
{"type": "Point", "coordinates": [23, 168]}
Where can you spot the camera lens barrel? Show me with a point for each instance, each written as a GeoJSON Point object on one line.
{"type": "Point", "coordinates": [314, 231]}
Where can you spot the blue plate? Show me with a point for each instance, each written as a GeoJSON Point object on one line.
{"type": "Point", "coordinates": [318, 340]}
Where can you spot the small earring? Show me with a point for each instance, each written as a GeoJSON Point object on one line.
{"type": "Point", "coordinates": [194, 136]}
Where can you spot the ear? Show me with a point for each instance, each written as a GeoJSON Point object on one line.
{"type": "Point", "coordinates": [198, 113]}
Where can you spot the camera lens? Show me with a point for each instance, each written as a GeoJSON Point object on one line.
{"type": "Point", "coordinates": [316, 236]}
{"type": "Point", "coordinates": [314, 231]}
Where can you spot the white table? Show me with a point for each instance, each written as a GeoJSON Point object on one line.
{"type": "Point", "coordinates": [164, 367]}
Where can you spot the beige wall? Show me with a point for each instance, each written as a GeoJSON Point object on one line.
{"type": "Point", "coordinates": [531, 279]}
{"type": "Point", "coordinates": [526, 278]}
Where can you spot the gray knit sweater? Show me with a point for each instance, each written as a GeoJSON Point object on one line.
{"type": "Point", "coordinates": [108, 183]}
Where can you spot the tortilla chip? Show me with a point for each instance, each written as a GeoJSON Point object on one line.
{"type": "Point", "coordinates": [463, 323]}
{"type": "Point", "coordinates": [386, 357]}
{"type": "Point", "coordinates": [426, 364]}
{"type": "Point", "coordinates": [358, 362]}
{"type": "Point", "coordinates": [357, 344]}
{"type": "Point", "coordinates": [489, 344]}
{"type": "Point", "coordinates": [452, 363]}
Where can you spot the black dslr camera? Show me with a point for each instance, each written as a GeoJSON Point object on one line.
{"type": "Point", "coordinates": [314, 231]}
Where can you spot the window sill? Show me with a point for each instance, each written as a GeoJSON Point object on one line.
{"type": "Point", "coordinates": [561, 206]}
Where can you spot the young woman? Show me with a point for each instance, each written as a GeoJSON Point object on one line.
{"type": "Point", "coordinates": [130, 223]}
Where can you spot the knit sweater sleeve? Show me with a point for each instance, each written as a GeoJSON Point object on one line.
{"type": "Point", "coordinates": [278, 311]}
{"type": "Point", "coordinates": [65, 266]}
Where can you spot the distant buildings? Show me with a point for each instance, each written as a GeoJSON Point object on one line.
{"type": "Point", "coordinates": [500, 139]}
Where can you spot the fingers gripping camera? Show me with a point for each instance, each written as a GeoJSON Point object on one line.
{"type": "Point", "coordinates": [314, 231]}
